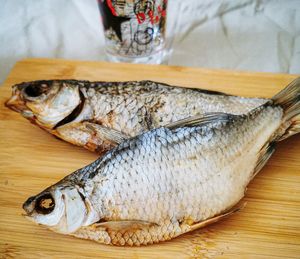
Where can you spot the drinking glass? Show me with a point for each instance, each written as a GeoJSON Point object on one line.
{"type": "Point", "coordinates": [134, 30]}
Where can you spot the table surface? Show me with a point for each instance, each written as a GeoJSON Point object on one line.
{"type": "Point", "coordinates": [31, 159]}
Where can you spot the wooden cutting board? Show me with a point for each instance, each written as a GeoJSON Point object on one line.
{"type": "Point", "coordinates": [31, 159]}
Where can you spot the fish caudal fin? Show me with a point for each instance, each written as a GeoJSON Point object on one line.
{"type": "Point", "coordinates": [289, 100]}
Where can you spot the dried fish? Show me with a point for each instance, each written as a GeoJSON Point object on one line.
{"type": "Point", "coordinates": [98, 115]}
{"type": "Point", "coordinates": [169, 180]}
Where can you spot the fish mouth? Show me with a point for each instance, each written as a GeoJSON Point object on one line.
{"type": "Point", "coordinates": [43, 204]}
{"type": "Point", "coordinates": [30, 90]}
{"type": "Point", "coordinates": [74, 114]}
{"type": "Point", "coordinates": [18, 104]}
{"type": "Point", "coordinates": [15, 103]}
{"type": "Point", "coordinates": [28, 205]}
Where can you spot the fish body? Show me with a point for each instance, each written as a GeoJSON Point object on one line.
{"type": "Point", "coordinates": [169, 180]}
{"type": "Point", "coordinates": [96, 115]}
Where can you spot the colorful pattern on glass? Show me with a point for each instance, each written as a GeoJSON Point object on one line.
{"type": "Point", "coordinates": [133, 28]}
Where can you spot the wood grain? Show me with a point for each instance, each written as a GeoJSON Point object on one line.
{"type": "Point", "coordinates": [31, 159]}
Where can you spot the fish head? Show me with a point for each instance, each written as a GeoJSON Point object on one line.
{"type": "Point", "coordinates": [45, 103]}
{"type": "Point", "coordinates": [62, 209]}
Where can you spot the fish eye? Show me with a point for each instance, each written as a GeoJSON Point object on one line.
{"type": "Point", "coordinates": [45, 204]}
{"type": "Point", "coordinates": [35, 90]}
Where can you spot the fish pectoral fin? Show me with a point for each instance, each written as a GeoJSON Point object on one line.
{"type": "Point", "coordinates": [106, 133]}
{"type": "Point", "coordinates": [200, 120]}
{"type": "Point", "coordinates": [264, 155]}
{"type": "Point", "coordinates": [125, 225]}
{"type": "Point", "coordinates": [217, 218]}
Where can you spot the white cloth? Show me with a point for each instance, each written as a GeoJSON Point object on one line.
{"type": "Point", "coordinates": [245, 35]}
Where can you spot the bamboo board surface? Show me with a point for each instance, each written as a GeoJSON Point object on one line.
{"type": "Point", "coordinates": [31, 159]}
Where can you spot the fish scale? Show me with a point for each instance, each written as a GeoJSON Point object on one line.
{"type": "Point", "coordinates": [169, 180]}
{"type": "Point", "coordinates": [119, 169]}
{"type": "Point", "coordinates": [128, 107]}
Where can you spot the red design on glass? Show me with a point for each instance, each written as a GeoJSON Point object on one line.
{"type": "Point", "coordinates": [141, 17]}
{"type": "Point", "coordinates": [161, 11]}
{"type": "Point", "coordinates": [110, 5]}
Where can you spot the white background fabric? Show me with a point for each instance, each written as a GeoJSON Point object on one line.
{"type": "Point", "coordinates": [253, 35]}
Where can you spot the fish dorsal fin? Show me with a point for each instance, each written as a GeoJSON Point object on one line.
{"type": "Point", "coordinates": [125, 225]}
{"type": "Point", "coordinates": [217, 218]}
{"type": "Point", "coordinates": [106, 133]}
{"type": "Point", "coordinates": [200, 120]}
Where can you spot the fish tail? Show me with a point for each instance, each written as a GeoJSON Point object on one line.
{"type": "Point", "coordinates": [289, 100]}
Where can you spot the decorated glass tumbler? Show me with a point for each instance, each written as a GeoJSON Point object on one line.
{"type": "Point", "coordinates": [134, 30]}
